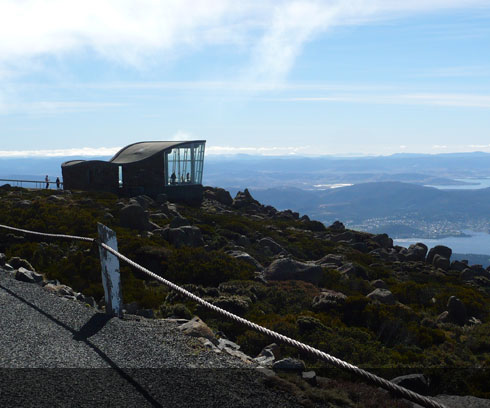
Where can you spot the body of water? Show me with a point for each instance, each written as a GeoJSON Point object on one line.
{"type": "Point", "coordinates": [478, 183]}
{"type": "Point", "coordinates": [476, 243]}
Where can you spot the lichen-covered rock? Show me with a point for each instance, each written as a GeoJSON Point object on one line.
{"type": "Point", "coordinates": [290, 269]}
{"type": "Point", "coordinates": [328, 299]}
{"type": "Point", "coordinates": [383, 296]}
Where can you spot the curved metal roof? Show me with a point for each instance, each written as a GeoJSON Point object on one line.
{"type": "Point", "coordinates": [142, 150]}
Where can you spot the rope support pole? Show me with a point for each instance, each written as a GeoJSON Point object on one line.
{"type": "Point", "coordinates": [372, 378]}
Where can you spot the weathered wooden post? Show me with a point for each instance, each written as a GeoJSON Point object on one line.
{"type": "Point", "coordinates": [111, 279]}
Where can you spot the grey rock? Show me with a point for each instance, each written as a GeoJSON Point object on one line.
{"type": "Point", "coordinates": [225, 343]}
{"type": "Point", "coordinates": [179, 222]}
{"type": "Point", "coordinates": [331, 259]}
{"type": "Point", "coordinates": [25, 275]}
{"type": "Point", "coordinates": [337, 226]}
{"type": "Point", "coordinates": [458, 266]}
{"type": "Point", "coordinates": [244, 199]}
{"type": "Point", "coordinates": [197, 328]}
{"type": "Point", "coordinates": [383, 296]}
{"type": "Point", "coordinates": [290, 269]}
{"type": "Point", "coordinates": [17, 263]}
{"type": "Point", "coordinates": [289, 364]}
{"type": "Point", "coordinates": [441, 262]}
{"type": "Point", "coordinates": [327, 300]}
{"type": "Point", "coordinates": [383, 240]}
{"type": "Point", "coordinates": [416, 252]}
{"type": "Point", "coordinates": [350, 270]}
{"type": "Point", "coordinates": [270, 246]}
{"type": "Point", "coordinates": [309, 377]}
{"type": "Point", "coordinates": [243, 256]}
{"type": "Point", "coordinates": [414, 382]}
{"type": "Point", "coordinates": [456, 401]}
{"type": "Point", "coordinates": [135, 217]}
{"type": "Point", "coordinates": [441, 250]}
{"type": "Point", "coordinates": [379, 283]}
{"type": "Point", "coordinates": [183, 236]}
{"type": "Point", "coordinates": [218, 194]}
{"type": "Point", "coordinates": [3, 259]}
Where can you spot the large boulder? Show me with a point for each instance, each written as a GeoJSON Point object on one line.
{"type": "Point", "coordinates": [135, 217]}
{"type": "Point", "coordinates": [243, 256]}
{"type": "Point", "coordinates": [179, 222]}
{"type": "Point", "coordinates": [289, 364]}
{"type": "Point", "coordinates": [441, 262]}
{"type": "Point", "coordinates": [269, 246]}
{"type": "Point", "coordinates": [244, 199]}
{"type": "Point", "coordinates": [351, 270]}
{"type": "Point", "coordinates": [441, 250]}
{"type": "Point", "coordinates": [331, 259]}
{"type": "Point", "coordinates": [383, 240]}
{"type": "Point", "coordinates": [290, 269]}
{"type": "Point", "coordinates": [415, 382]}
{"type": "Point", "coordinates": [183, 236]}
{"type": "Point", "coordinates": [416, 252]}
{"type": "Point", "coordinates": [337, 226]}
{"type": "Point", "coordinates": [327, 300]}
{"type": "Point", "coordinates": [218, 194]}
{"type": "Point", "coordinates": [383, 296]}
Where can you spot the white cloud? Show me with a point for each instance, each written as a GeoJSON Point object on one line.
{"type": "Point", "coordinates": [181, 135]}
{"type": "Point", "coordinates": [256, 150]}
{"type": "Point", "coordinates": [435, 147]}
{"type": "Point", "coordinates": [138, 32]}
{"type": "Point", "coordinates": [83, 151]}
{"type": "Point", "coordinates": [433, 99]}
{"type": "Point", "coordinates": [54, 107]}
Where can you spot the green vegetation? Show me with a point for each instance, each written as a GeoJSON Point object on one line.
{"type": "Point", "coordinates": [403, 336]}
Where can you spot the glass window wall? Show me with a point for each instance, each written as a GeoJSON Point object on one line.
{"type": "Point", "coordinates": [184, 164]}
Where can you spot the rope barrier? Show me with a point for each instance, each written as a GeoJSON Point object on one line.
{"type": "Point", "coordinates": [381, 382]}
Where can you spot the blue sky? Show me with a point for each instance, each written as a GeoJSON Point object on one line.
{"type": "Point", "coordinates": [258, 77]}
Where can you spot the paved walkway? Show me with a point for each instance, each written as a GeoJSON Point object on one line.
{"type": "Point", "coordinates": [58, 352]}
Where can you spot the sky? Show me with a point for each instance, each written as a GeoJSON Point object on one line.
{"type": "Point", "coordinates": [281, 77]}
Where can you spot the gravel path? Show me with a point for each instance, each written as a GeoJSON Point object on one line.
{"type": "Point", "coordinates": [58, 352]}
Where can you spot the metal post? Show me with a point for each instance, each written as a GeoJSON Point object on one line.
{"type": "Point", "coordinates": [111, 279]}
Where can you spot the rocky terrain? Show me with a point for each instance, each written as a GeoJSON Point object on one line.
{"type": "Point", "coordinates": [392, 310]}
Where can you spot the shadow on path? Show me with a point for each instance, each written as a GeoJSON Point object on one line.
{"type": "Point", "coordinates": [94, 325]}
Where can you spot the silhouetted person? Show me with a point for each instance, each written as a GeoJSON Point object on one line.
{"type": "Point", "coordinates": [58, 183]}
{"type": "Point", "coordinates": [188, 178]}
{"type": "Point", "coordinates": [46, 179]}
{"type": "Point", "coordinates": [173, 177]}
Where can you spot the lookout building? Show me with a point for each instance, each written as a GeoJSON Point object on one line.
{"type": "Point", "coordinates": [150, 168]}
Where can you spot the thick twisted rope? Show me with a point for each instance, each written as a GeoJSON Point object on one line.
{"type": "Point", "coordinates": [381, 382]}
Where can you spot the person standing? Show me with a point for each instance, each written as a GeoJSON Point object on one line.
{"type": "Point", "coordinates": [47, 181]}
{"type": "Point", "coordinates": [58, 183]}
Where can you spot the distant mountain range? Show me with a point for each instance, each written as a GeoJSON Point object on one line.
{"type": "Point", "coordinates": [396, 200]}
